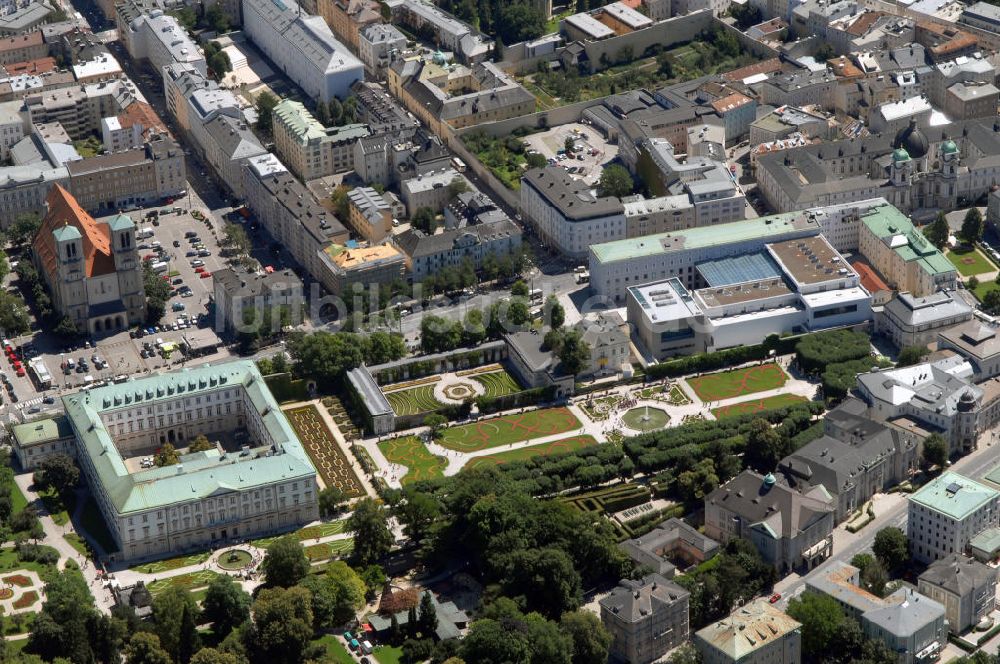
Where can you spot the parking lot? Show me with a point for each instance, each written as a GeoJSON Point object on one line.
{"type": "Point", "coordinates": [106, 357]}
{"type": "Point", "coordinates": [590, 154]}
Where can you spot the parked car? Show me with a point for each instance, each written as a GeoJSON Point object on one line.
{"type": "Point", "coordinates": [197, 263]}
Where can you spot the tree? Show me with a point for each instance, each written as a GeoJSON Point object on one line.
{"type": "Point", "coordinates": [265, 106]}
{"type": "Point", "coordinates": [574, 352]}
{"type": "Point", "coordinates": [60, 472]}
{"type": "Point", "coordinates": [520, 22]}
{"type": "Point", "coordinates": [972, 226]}
{"type": "Point", "coordinates": [417, 513]}
{"type": "Point", "coordinates": [556, 313]}
{"type": "Point", "coordinates": [285, 562]}
{"type": "Point", "coordinates": [910, 355]}
{"type": "Point", "coordinates": [24, 229]}
{"type": "Point", "coordinates": [220, 64]}
{"type": "Point", "coordinates": [874, 578]}
{"type": "Point", "coordinates": [519, 289]}
{"type": "Point", "coordinates": [372, 537]}
{"type": "Point", "coordinates": [336, 596]}
{"type": "Point", "coordinates": [174, 614]}
{"type": "Point", "coordinates": [167, 456]}
{"type": "Point", "coordinates": [374, 578]}
{"type": "Point", "coordinates": [213, 656]}
{"type": "Point", "coordinates": [615, 181]}
{"type": "Point", "coordinates": [821, 618]}
{"type": "Point", "coordinates": [935, 452]}
{"type": "Point", "coordinates": [546, 578]}
{"type": "Point", "coordinates": [457, 186]}
{"type": "Point", "coordinates": [217, 19]}
{"type": "Point", "coordinates": [200, 444]}
{"type": "Point", "coordinates": [62, 627]}
{"type": "Point", "coordinates": [569, 144]}
{"type": "Point", "coordinates": [972, 283]}
{"type": "Point", "coordinates": [281, 626]}
{"type": "Point", "coordinates": [427, 619]}
{"type": "Point", "coordinates": [686, 654]}
{"type": "Point", "coordinates": [235, 237]}
{"type": "Point", "coordinates": [436, 423]}
{"type": "Point", "coordinates": [937, 231]}
{"type": "Point", "coordinates": [535, 160]}
{"type": "Point", "coordinates": [157, 293]}
{"type": "Point", "coordinates": [891, 547]}
{"type": "Point", "coordinates": [591, 641]}
{"type": "Point", "coordinates": [144, 648]}
{"type": "Point", "coordinates": [330, 500]}
{"type": "Point", "coordinates": [416, 650]}
{"type": "Point", "coordinates": [696, 483]}
{"type": "Point", "coordinates": [991, 301]}
{"type": "Point", "coordinates": [326, 357]}
{"type": "Point", "coordinates": [14, 318]}
{"type": "Point", "coordinates": [424, 220]}
{"type": "Point", "coordinates": [765, 446]}
{"type": "Point", "coordinates": [226, 605]}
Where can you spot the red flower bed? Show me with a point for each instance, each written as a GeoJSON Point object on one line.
{"type": "Point", "coordinates": [26, 600]}
{"type": "Point", "coordinates": [19, 580]}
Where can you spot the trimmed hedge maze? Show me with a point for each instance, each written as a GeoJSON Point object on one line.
{"type": "Point", "coordinates": [414, 401]}
{"type": "Point", "coordinates": [497, 383]}
{"type": "Point", "coordinates": [326, 455]}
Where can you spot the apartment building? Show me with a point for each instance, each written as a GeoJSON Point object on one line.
{"type": "Point", "coordinates": [376, 45]}
{"type": "Point", "coordinates": [946, 513]}
{"type": "Point", "coordinates": [965, 587]}
{"type": "Point", "coordinates": [369, 214]}
{"type": "Point", "coordinates": [647, 618]}
{"type": "Point", "coordinates": [779, 637]}
{"type": "Point", "coordinates": [240, 296]}
{"type": "Point", "coordinates": [309, 149]}
{"type": "Point", "coordinates": [158, 38]}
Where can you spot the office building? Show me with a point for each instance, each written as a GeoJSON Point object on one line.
{"type": "Point", "coordinates": [303, 48]}
{"type": "Point", "coordinates": [947, 512]}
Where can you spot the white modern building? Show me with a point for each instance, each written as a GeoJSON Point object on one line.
{"type": "Point", "coordinates": [158, 37]}
{"type": "Point", "coordinates": [791, 287]}
{"type": "Point", "coordinates": [948, 512]}
{"type": "Point", "coordinates": [303, 47]}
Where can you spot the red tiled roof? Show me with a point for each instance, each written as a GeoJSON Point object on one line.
{"type": "Point", "coordinates": [730, 102]}
{"type": "Point", "coordinates": [765, 67]}
{"type": "Point", "coordinates": [865, 21]}
{"type": "Point", "coordinates": [870, 279]}
{"type": "Point", "coordinates": [36, 66]}
{"type": "Point", "coordinates": [141, 113]}
{"type": "Point", "coordinates": [63, 210]}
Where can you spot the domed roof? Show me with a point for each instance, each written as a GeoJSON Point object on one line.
{"type": "Point", "coordinates": [899, 154]}
{"type": "Point", "coordinates": [912, 140]}
{"type": "Point", "coordinates": [949, 147]}
{"type": "Point", "coordinates": [769, 480]}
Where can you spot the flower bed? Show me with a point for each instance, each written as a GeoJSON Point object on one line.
{"type": "Point", "coordinates": [411, 383]}
{"type": "Point", "coordinates": [19, 580]}
{"type": "Point", "coordinates": [26, 600]}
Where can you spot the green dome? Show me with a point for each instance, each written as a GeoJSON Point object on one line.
{"type": "Point", "coordinates": [949, 147]}
{"type": "Point", "coordinates": [900, 154]}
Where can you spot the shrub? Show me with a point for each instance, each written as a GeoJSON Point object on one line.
{"type": "Point", "coordinates": [37, 553]}
{"type": "Point", "coordinates": [817, 351]}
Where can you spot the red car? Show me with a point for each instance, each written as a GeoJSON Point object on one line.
{"type": "Point", "coordinates": [205, 275]}
{"type": "Point", "coordinates": [775, 597]}
{"type": "Point", "coordinates": [19, 371]}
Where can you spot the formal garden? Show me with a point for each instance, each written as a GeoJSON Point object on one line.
{"type": "Point", "coordinates": [601, 408]}
{"type": "Point", "coordinates": [192, 582]}
{"type": "Point", "coordinates": [544, 449]}
{"type": "Point", "coordinates": [409, 451]}
{"type": "Point", "coordinates": [645, 418]}
{"type": "Point", "coordinates": [497, 383]}
{"type": "Point", "coordinates": [508, 429]}
{"type": "Point", "coordinates": [331, 462]}
{"type": "Point", "coordinates": [757, 405]}
{"type": "Point", "coordinates": [414, 400]}
{"type": "Point", "coordinates": [160, 566]}
{"type": "Point", "coordinates": [671, 393]}
{"type": "Point", "coordinates": [737, 382]}
{"type": "Point", "coordinates": [970, 261]}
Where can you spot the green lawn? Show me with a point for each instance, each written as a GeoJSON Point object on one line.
{"type": "Point", "coordinates": [499, 431]}
{"type": "Point", "coordinates": [168, 564]}
{"type": "Point", "coordinates": [335, 650]}
{"type": "Point", "coordinates": [497, 383]}
{"type": "Point", "coordinates": [189, 581]}
{"type": "Point", "coordinates": [983, 288]}
{"type": "Point", "coordinates": [56, 507]}
{"type": "Point", "coordinates": [545, 449]}
{"type": "Point", "coordinates": [757, 405]}
{"type": "Point", "coordinates": [325, 529]}
{"type": "Point", "coordinates": [414, 401]}
{"type": "Point", "coordinates": [970, 261]}
{"type": "Point", "coordinates": [326, 550]}
{"type": "Point", "coordinates": [93, 522]}
{"type": "Point", "coordinates": [17, 497]}
{"type": "Point", "coordinates": [737, 382]}
{"type": "Point", "coordinates": [410, 452]}
{"type": "Point", "coordinates": [388, 654]}
{"type": "Point", "coordinates": [77, 543]}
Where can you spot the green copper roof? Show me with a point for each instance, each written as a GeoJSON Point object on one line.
{"type": "Point", "coordinates": [705, 236]}
{"type": "Point", "coordinates": [891, 225]}
{"type": "Point", "coordinates": [42, 431]}
{"type": "Point", "coordinates": [900, 154]}
{"type": "Point", "coordinates": [120, 222]}
{"type": "Point", "coordinates": [198, 475]}
{"type": "Point", "coordinates": [66, 233]}
{"type": "Point", "coordinates": [954, 495]}
{"type": "Point", "coordinates": [949, 147]}
{"type": "Point", "coordinates": [299, 121]}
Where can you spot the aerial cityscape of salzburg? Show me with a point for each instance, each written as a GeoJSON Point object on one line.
{"type": "Point", "coordinates": [499, 331]}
